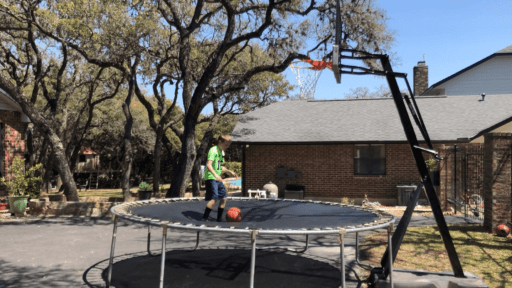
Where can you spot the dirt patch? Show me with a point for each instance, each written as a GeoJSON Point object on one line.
{"type": "Point", "coordinates": [398, 211]}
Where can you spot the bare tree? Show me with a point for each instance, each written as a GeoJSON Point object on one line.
{"type": "Point", "coordinates": [364, 93]}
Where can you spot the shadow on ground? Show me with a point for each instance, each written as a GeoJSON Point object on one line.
{"type": "Point", "coordinates": [69, 220]}
{"type": "Point", "coordinates": [12, 275]}
{"type": "Point", "coordinates": [224, 268]}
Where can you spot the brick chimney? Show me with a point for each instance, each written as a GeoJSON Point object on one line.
{"type": "Point", "coordinates": [420, 78]}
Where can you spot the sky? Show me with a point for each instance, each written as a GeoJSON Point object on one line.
{"type": "Point", "coordinates": [450, 34]}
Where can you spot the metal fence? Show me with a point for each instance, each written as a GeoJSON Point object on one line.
{"type": "Point", "coordinates": [465, 178]}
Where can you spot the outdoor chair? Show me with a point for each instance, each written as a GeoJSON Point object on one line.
{"type": "Point", "coordinates": [80, 187]}
{"type": "Point", "coordinates": [258, 193]}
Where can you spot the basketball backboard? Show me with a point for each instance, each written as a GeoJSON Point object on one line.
{"type": "Point", "coordinates": [336, 48]}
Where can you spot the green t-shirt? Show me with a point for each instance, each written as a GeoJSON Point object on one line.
{"type": "Point", "coordinates": [217, 156]}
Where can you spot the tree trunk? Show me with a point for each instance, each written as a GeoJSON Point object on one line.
{"type": "Point", "coordinates": [48, 173]}
{"type": "Point", "coordinates": [128, 153]}
{"type": "Point", "coordinates": [157, 154]}
{"type": "Point", "coordinates": [181, 173]}
{"type": "Point", "coordinates": [30, 150]}
{"type": "Point", "coordinates": [196, 178]}
{"type": "Point", "coordinates": [61, 161]}
{"type": "Point", "coordinates": [207, 138]}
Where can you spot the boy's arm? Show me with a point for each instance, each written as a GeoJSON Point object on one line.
{"type": "Point", "coordinates": [224, 169]}
{"type": "Point", "coordinates": [210, 168]}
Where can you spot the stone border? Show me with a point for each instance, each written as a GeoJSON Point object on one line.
{"type": "Point", "coordinates": [89, 209]}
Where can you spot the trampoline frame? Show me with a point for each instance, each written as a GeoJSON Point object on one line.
{"type": "Point", "coordinates": [122, 211]}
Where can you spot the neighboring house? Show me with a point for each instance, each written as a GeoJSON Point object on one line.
{"type": "Point", "coordinates": [491, 75]}
{"type": "Point", "coordinates": [87, 168]}
{"type": "Point", "coordinates": [88, 161]}
{"type": "Point", "coordinates": [13, 126]}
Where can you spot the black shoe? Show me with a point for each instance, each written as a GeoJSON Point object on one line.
{"type": "Point", "coordinates": [209, 219]}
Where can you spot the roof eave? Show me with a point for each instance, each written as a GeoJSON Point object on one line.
{"type": "Point", "coordinates": [458, 140]}
{"type": "Point", "coordinates": [464, 70]}
{"type": "Point", "coordinates": [491, 128]}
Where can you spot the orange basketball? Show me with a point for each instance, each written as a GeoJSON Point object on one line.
{"type": "Point", "coordinates": [503, 230]}
{"type": "Point", "coordinates": [234, 214]}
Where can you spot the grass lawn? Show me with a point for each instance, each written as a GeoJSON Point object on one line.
{"type": "Point", "coordinates": [486, 255]}
{"type": "Point", "coordinates": [118, 193]}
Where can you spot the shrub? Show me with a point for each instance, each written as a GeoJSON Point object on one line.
{"type": "Point", "coordinates": [145, 186]}
{"type": "Point", "coordinates": [431, 164]}
{"type": "Point", "coordinates": [235, 167]}
{"type": "Point", "coordinates": [345, 200]}
{"type": "Point", "coordinates": [22, 184]}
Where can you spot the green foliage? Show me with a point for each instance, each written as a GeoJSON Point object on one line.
{"type": "Point", "coordinates": [345, 200]}
{"type": "Point", "coordinates": [235, 167]}
{"type": "Point", "coordinates": [232, 66]}
{"type": "Point", "coordinates": [22, 184]}
{"type": "Point", "coordinates": [431, 164]}
{"type": "Point", "coordinates": [145, 186]}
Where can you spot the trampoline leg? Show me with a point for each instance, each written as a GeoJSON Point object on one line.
{"type": "Point", "coordinates": [197, 241]}
{"type": "Point", "coordinates": [342, 256]}
{"type": "Point", "coordinates": [149, 241]}
{"type": "Point", "coordinates": [253, 256]}
{"type": "Point", "coordinates": [112, 247]}
{"type": "Point", "coordinates": [390, 244]}
{"type": "Point", "coordinates": [307, 244]}
{"type": "Point", "coordinates": [162, 264]}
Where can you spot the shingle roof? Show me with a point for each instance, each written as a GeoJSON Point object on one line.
{"type": "Point", "coordinates": [8, 96]}
{"type": "Point", "coordinates": [371, 120]}
{"type": "Point", "coordinates": [504, 51]}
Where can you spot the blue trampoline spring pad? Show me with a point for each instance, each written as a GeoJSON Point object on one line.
{"type": "Point", "coordinates": [261, 214]}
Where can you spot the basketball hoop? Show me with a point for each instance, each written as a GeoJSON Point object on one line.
{"type": "Point", "coordinates": [307, 73]}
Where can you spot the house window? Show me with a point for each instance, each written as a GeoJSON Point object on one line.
{"type": "Point", "coordinates": [370, 159]}
{"type": "Point", "coordinates": [82, 158]}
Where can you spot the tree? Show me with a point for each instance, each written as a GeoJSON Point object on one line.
{"type": "Point", "coordinates": [364, 93]}
{"type": "Point", "coordinates": [56, 90]}
{"type": "Point", "coordinates": [107, 34]}
{"type": "Point", "coordinates": [229, 29]}
{"type": "Point", "coordinates": [213, 52]}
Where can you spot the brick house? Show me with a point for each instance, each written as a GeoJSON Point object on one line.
{"type": "Point", "coordinates": [13, 127]}
{"type": "Point", "coordinates": [348, 148]}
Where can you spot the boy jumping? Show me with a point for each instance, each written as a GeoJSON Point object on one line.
{"type": "Point", "coordinates": [215, 189]}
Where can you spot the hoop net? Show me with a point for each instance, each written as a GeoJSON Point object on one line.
{"type": "Point", "coordinates": [307, 72]}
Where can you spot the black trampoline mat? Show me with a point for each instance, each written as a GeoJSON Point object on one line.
{"type": "Point", "coordinates": [260, 214]}
{"type": "Point", "coordinates": [224, 268]}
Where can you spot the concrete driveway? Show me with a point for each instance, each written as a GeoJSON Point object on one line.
{"type": "Point", "coordinates": [74, 252]}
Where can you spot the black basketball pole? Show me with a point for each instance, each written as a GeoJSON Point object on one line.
{"type": "Point", "coordinates": [427, 182]}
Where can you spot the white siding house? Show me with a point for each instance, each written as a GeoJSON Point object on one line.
{"type": "Point", "coordinates": [491, 75]}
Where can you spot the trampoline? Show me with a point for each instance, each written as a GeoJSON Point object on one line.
{"type": "Point", "coordinates": [260, 217]}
